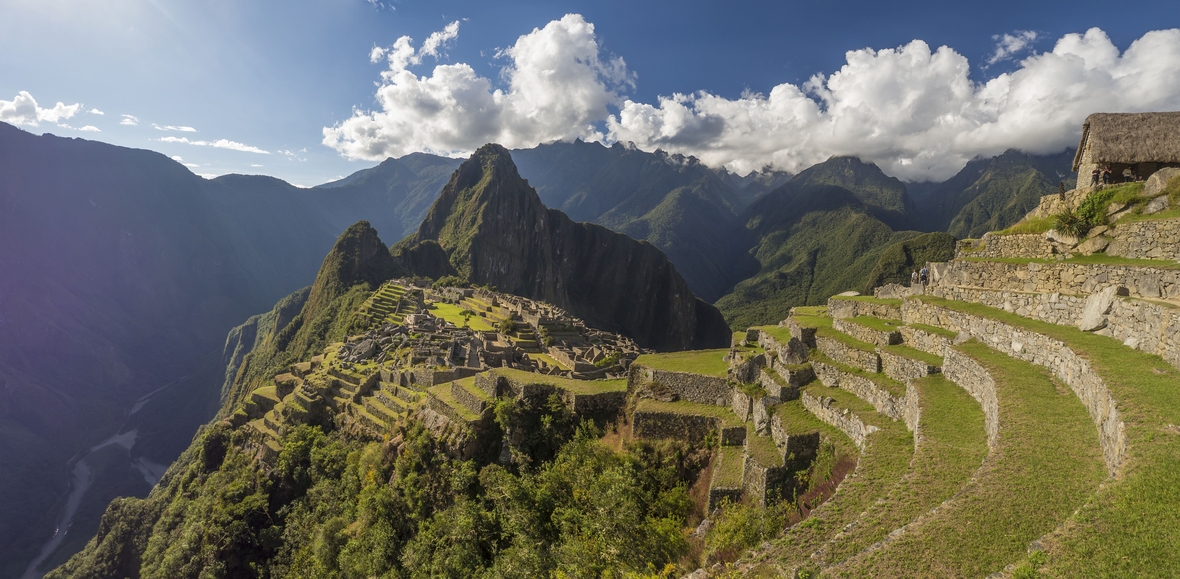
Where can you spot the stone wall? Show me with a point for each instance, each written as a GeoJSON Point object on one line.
{"type": "Point", "coordinates": [790, 379]}
{"type": "Point", "coordinates": [848, 423]}
{"type": "Point", "coordinates": [690, 387]}
{"type": "Point", "coordinates": [805, 335]}
{"type": "Point", "coordinates": [601, 403]}
{"type": "Point", "coordinates": [1066, 364]}
{"type": "Point", "coordinates": [1154, 239]}
{"type": "Point", "coordinates": [844, 354]}
{"type": "Point", "coordinates": [925, 341]}
{"type": "Point", "coordinates": [761, 482]}
{"type": "Point", "coordinates": [865, 333]}
{"type": "Point", "coordinates": [1015, 245]}
{"type": "Point", "coordinates": [977, 381]}
{"type": "Point", "coordinates": [904, 408]}
{"type": "Point", "coordinates": [792, 352]}
{"type": "Point", "coordinates": [845, 308]}
{"type": "Point", "coordinates": [904, 369]}
{"type": "Point", "coordinates": [742, 404]}
{"type": "Point", "coordinates": [1145, 326]}
{"type": "Point", "coordinates": [1062, 277]}
{"type": "Point", "coordinates": [469, 400]}
{"type": "Point", "coordinates": [688, 427]}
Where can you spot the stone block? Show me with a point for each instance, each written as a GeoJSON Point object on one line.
{"type": "Point", "coordinates": [762, 408]}
{"type": "Point", "coordinates": [1097, 306]}
{"type": "Point", "coordinates": [1156, 205]}
{"type": "Point", "coordinates": [1159, 180]}
{"type": "Point", "coordinates": [742, 404]}
{"type": "Point", "coordinates": [1093, 245]}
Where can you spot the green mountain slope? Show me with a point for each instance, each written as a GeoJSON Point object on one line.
{"type": "Point", "coordinates": [495, 230]}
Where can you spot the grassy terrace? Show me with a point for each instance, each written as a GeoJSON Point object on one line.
{"type": "Point", "coordinates": [886, 383]}
{"type": "Point", "coordinates": [952, 448]}
{"type": "Point", "coordinates": [913, 353]}
{"type": "Point", "coordinates": [468, 384]}
{"type": "Point", "coordinates": [729, 466]}
{"type": "Point", "coordinates": [722, 413]}
{"type": "Point", "coordinates": [705, 362]}
{"type": "Point", "coordinates": [780, 334]}
{"type": "Point", "coordinates": [569, 384]}
{"type": "Point", "coordinates": [546, 358]}
{"type": "Point", "coordinates": [443, 392]}
{"type": "Point", "coordinates": [1172, 213]}
{"type": "Point", "coordinates": [895, 302]}
{"type": "Point", "coordinates": [845, 339]}
{"type": "Point", "coordinates": [762, 448]}
{"type": "Point", "coordinates": [881, 465]}
{"type": "Point", "coordinates": [1047, 462]}
{"type": "Point", "coordinates": [797, 420]}
{"type": "Point", "coordinates": [1094, 259]}
{"type": "Point", "coordinates": [451, 313]}
{"type": "Point", "coordinates": [934, 330]}
{"type": "Point", "coordinates": [878, 324]}
{"type": "Point", "coordinates": [269, 392]}
{"type": "Point", "coordinates": [1128, 528]}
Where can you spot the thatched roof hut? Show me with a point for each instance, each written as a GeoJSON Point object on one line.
{"type": "Point", "coordinates": [1145, 142]}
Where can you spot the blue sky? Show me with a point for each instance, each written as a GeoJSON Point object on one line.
{"type": "Point", "coordinates": [271, 76]}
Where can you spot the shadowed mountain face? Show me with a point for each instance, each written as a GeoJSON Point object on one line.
{"type": "Point", "coordinates": [495, 230]}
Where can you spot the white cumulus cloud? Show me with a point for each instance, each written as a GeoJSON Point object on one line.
{"type": "Point", "coordinates": [24, 110]}
{"type": "Point", "coordinates": [129, 120]}
{"type": "Point", "coordinates": [96, 112]}
{"type": "Point", "coordinates": [1008, 45]}
{"type": "Point", "coordinates": [181, 128]}
{"type": "Point", "coordinates": [91, 129]}
{"type": "Point", "coordinates": [558, 87]}
{"type": "Point", "coordinates": [218, 144]}
{"type": "Point", "coordinates": [913, 109]}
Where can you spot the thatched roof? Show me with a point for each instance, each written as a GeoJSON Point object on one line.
{"type": "Point", "coordinates": [1131, 138]}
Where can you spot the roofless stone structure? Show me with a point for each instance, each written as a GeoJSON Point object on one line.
{"type": "Point", "coordinates": [1145, 142]}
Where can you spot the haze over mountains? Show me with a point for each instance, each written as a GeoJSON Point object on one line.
{"type": "Point", "coordinates": [124, 272]}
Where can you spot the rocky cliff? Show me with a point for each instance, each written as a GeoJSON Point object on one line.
{"type": "Point", "coordinates": [494, 230]}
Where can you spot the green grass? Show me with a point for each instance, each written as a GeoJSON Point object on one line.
{"type": "Point", "coordinates": [882, 463]}
{"type": "Point", "coordinates": [845, 399]}
{"type": "Point", "coordinates": [705, 362]}
{"type": "Point", "coordinates": [731, 461]}
{"type": "Point", "coordinates": [1104, 259]}
{"type": "Point", "coordinates": [1047, 463]}
{"type": "Point", "coordinates": [884, 382]}
{"type": "Point", "coordinates": [1035, 225]}
{"type": "Point", "coordinates": [468, 384]}
{"type": "Point", "coordinates": [451, 313]}
{"type": "Point", "coordinates": [569, 384]}
{"type": "Point", "coordinates": [953, 446]}
{"type": "Point", "coordinates": [268, 392]}
{"type": "Point", "coordinates": [796, 419]}
{"type": "Point", "coordinates": [1129, 527]}
{"type": "Point", "coordinates": [723, 413]}
{"type": "Point", "coordinates": [934, 330]}
{"type": "Point", "coordinates": [913, 353]}
{"type": "Point", "coordinates": [548, 360]}
{"type": "Point", "coordinates": [878, 324]}
{"type": "Point", "coordinates": [845, 339]}
{"type": "Point", "coordinates": [762, 448]}
{"type": "Point", "coordinates": [780, 334]}
{"type": "Point", "coordinates": [443, 392]}
{"type": "Point", "coordinates": [1172, 213]}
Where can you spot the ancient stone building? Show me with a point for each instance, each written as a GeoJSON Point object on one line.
{"type": "Point", "coordinates": [1145, 142]}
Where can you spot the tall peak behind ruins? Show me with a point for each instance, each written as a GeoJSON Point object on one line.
{"type": "Point", "coordinates": [494, 230]}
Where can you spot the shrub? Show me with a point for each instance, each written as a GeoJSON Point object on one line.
{"type": "Point", "coordinates": [449, 281]}
{"type": "Point", "coordinates": [1070, 223]}
{"type": "Point", "coordinates": [1172, 190]}
{"type": "Point", "coordinates": [1093, 207]}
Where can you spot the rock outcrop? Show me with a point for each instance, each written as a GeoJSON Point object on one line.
{"type": "Point", "coordinates": [494, 230]}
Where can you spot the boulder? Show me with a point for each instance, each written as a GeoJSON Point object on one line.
{"type": "Point", "coordinates": [1093, 245]}
{"type": "Point", "coordinates": [1097, 306]}
{"type": "Point", "coordinates": [796, 352]}
{"type": "Point", "coordinates": [1059, 237]}
{"type": "Point", "coordinates": [848, 294]}
{"type": "Point", "coordinates": [1099, 230]}
{"type": "Point", "coordinates": [1156, 205]}
{"type": "Point", "coordinates": [1158, 180]}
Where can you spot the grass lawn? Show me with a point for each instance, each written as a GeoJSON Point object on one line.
{"type": "Point", "coordinates": [762, 448]}
{"type": "Point", "coordinates": [879, 324]}
{"type": "Point", "coordinates": [882, 463]}
{"type": "Point", "coordinates": [705, 362]}
{"type": "Point", "coordinates": [1130, 527]}
{"type": "Point", "coordinates": [727, 417]}
{"type": "Point", "coordinates": [780, 334]}
{"type": "Point", "coordinates": [443, 392]}
{"type": "Point", "coordinates": [934, 330]}
{"type": "Point", "coordinates": [797, 420]}
{"type": "Point", "coordinates": [845, 339]}
{"type": "Point", "coordinates": [913, 354]}
{"type": "Point", "coordinates": [451, 313]}
{"type": "Point", "coordinates": [895, 302]}
{"type": "Point", "coordinates": [575, 386]}
{"type": "Point", "coordinates": [1103, 259]}
{"type": "Point", "coordinates": [953, 445]}
{"type": "Point", "coordinates": [727, 472]}
{"type": "Point", "coordinates": [1172, 213]}
{"type": "Point", "coordinates": [1038, 225]}
{"type": "Point", "coordinates": [1047, 462]}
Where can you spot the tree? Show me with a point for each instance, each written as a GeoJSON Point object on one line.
{"type": "Point", "coordinates": [466, 316]}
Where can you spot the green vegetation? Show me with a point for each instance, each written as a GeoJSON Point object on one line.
{"type": "Point", "coordinates": [443, 392]}
{"type": "Point", "coordinates": [727, 469]}
{"type": "Point", "coordinates": [740, 526]}
{"type": "Point", "coordinates": [899, 260]}
{"type": "Point", "coordinates": [705, 362]}
{"type": "Point", "coordinates": [458, 315]}
{"type": "Point", "coordinates": [722, 413]}
{"type": "Point", "coordinates": [1033, 225]}
{"type": "Point", "coordinates": [884, 382]}
{"type": "Point", "coordinates": [1125, 529]}
{"type": "Point", "coordinates": [913, 353]}
{"type": "Point", "coordinates": [762, 448]}
{"type": "Point", "coordinates": [952, 447]}
{"type": "Point", "coordinates": [1047, 464]}
{"type": "Point", "coordinates": [934, 330]}
{"type": "Point", "coordinates": [1070, 222]}
{"type": "Point", "coordinates": [878, 324]}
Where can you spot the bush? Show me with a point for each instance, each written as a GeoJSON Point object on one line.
{"type": "Point", "coordinates": [740, 527]}
{"type": "Point", "coordinates": [1093, 207]}
{"type": "Point", "coordinates": [1070, 223]}
{"type": "Point", "coordinates": [449, 281]}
